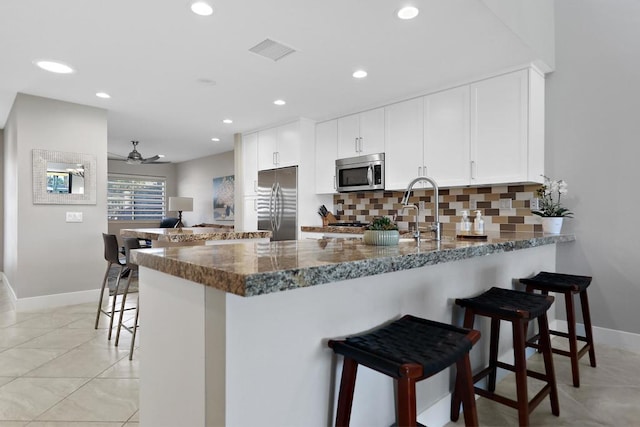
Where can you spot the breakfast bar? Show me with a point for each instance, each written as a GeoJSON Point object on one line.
{"type": "Point", "coordinates": [237, 334]}
{"type": "Point", "coordinates": [192, 236]}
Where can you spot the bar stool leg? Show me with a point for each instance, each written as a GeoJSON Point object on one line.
{"type": "Point", "coordinates": [407, 402]}
{"type": "Point", "coordinates": [573, 339]}
{"type": "Point", "coordinates": [113, 305]}
{"type": "Point", "coordinates": [493, 353]}
{"type": "Point", "coordinates": [104, 283]}
{"type": "Point", "coordinates": [586, 317]}
{"type": "Point", "coordinates": [547, 354]}
{"type": "Point", "coordinates": [520, 366]}
{"type": "Point", "coordinates": [347, 387]}
{"type": "Point", "coordinates": [469, 317]}
{"type": "Point", "coordinates": [464, 389]}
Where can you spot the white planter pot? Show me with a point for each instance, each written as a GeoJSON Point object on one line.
{"type": "Point", "coordinates": [552, 225]}
{"type": "Point", "coordinates": [381, 237]}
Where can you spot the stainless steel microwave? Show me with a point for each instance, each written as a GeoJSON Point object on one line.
{"type": "Point", "coordinates": [360, 173]}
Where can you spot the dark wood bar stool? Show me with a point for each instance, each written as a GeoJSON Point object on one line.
{"type": "Point", "coordinates": [409, 349]}
{"type": "Point", "coordinates": [568, 285]}
{"type": "Point", "coordinates": [518, 308]}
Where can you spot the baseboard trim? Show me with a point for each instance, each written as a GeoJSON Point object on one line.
{"type": "Point", "coordinates": [45, 302]}
{"type": "Point", "coordinates": [610, 337]}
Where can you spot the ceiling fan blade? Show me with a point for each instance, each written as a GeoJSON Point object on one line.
{"type": "Point", "coordinates": [114, 156]}
{"type": "Point", "coordinates": [151, 159]}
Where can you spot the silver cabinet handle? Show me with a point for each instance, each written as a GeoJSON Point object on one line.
{"type": "Point", "coordinates": [356, 143]}
{"type": "Point", "coordinates": [424, 170]}
{"type": "Point", "coordinates": [473, 169]}
{"type": "Point", "coordinates": [419, 170]}
{"type": "Point", "coordinates": [274, 161]}
{"type": "Point", "coordinates": [335, 182]}
{"type": "Point", "coordinates": [361, 144]}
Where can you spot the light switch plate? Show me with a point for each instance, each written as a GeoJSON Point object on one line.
{"type": "Point", "coordinates": [534, 204]}
{"type": "Point", "coordinates": [74, 216]}
{"type": "Point", "coordinates": [473, 204]}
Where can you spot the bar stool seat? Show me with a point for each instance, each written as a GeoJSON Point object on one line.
{"type": "Point", "coordinates": [409, 349]}
{"type": "Point", "coordinates": [518, 308]}
{"type": "Point", "coordinates": [568, 285]}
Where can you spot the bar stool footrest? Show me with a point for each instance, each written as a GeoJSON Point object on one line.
{"type": "Point", "coordinates": [533, 403]}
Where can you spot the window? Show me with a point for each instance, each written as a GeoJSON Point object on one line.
{"type": "Point", "coordinates": [135, 198]}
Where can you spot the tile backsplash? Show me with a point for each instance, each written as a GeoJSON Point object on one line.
{"type": "Point", "coordinates": [365, 206]}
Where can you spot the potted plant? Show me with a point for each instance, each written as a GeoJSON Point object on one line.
{"type": "Point", "coordinates": [550, 209]}
{"type": "Point", "coordinates": [382, 232]}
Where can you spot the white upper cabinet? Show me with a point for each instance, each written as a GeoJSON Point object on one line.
{"type": "Point", "coordinates": [250, 164]}
{"type": "Point", "coordinates": [446, 137]}
{"type": "Point", "coordinates": [404, 154]}
{"type": "Point", "coordinates": [361, 134]}
{"type": "Point", "coordinates": [499, 129]}
{"type": "Point", "coordinates": [279, 147]}
{"type": "Point", "coordinates": [326, 153]}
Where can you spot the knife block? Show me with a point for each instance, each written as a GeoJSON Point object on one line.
{"type": "Point", "coordinates": [329, 219]}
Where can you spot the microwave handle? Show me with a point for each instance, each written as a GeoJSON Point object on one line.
{"type": "Point", "coordinates": [370, 175]}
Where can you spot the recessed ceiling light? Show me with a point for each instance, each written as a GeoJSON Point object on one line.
{"type": "Point", "coordinates": [161, 155]}
{"type": "Point", "coordinates": [408, 12]}
{"type": "Point", "coordinates": [227, 121]}
{"type": "Point", "coordinates": [55, 67]}
{"type": "Point", "coordinates": [201, 8]}
{"type": "Point", "coordinates": [103, 95]}
{"type": "Point", "coordinates": [215, 139]}
{"type": "Point", "coordinates": [360, 74]}
{"type": "Point", "coordinates": [279, 102]}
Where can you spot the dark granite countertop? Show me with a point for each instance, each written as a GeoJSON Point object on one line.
{"type": "Point", "coordinates": [192, 234]}
{"type": "Point", "coordinates": [255, 268]}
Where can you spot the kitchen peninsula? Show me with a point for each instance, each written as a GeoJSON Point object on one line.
{"type": "Point", "coordinates": [236, 335]}
{"type": "Point", "coordinates": [192, 236]}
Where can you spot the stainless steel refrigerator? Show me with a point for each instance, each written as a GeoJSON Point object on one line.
{"type": "Point", "coordinates": [278, 202]}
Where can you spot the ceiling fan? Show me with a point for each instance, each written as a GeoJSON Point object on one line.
{"type": "Point", "coordinates": [135, 158]}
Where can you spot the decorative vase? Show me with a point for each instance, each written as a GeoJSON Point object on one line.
{"type": "Point", "coordinates": [552, 225]}
{"type": "Point", "coordinates": [381, 237]}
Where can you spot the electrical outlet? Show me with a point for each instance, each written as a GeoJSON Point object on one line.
{"type": "Point", "coordinates": [473, 204]}
{"type": "Point", "coordinates": [505, 203]}
{"type": "Point", "coordinates": [74, 217]}
{"type": "Point", "coordinates": [534, 204]}
{"type": "Point", "coordinates": [339, 206]}
{"type": "Point", "coordinates": [421, 205]}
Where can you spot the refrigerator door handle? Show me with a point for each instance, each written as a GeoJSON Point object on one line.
{"type": "Point", "coordinates": [271, 206]}
{"type": "Point", "coordinates": [279, 206]}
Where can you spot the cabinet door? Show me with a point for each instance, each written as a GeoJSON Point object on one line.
{"type": "Point", "coordinates": [403, 135]}
{"type": "Point", "coordinates": [326, 154]}
{"type": "Point", "coordinates": [267, 143]}
{"type": "Point", "coordinates": [250, 164]}
{"type": "Point", "coordinates": [348, 134]}
{"type": "Point", "coordinates": [288, 145]}
{"type": "Point", "coordinates": [250, 214]}
{"type": "Point", "coordinates": [372, 132]}
{"type": "Point", "coordinates": [446, 137]}
{"type": "Point", "coordinates": [499, 129]}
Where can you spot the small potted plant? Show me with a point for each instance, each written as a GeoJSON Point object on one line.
{"type": "Point", "coordinates": [550, 209]}
{"type": "Point", "coordinates": [382, 232]}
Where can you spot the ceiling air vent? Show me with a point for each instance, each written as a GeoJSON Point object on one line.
{"type": "Point", "coordinates": [272, 50]}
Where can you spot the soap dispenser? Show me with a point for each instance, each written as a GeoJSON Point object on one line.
{"type": "Point", "coordinates": [465, 223]}
{"type": "Point", "coordinates": [478, 223]}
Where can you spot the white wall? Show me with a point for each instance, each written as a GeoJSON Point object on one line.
{"type": "Point", "coordinates": [44, 255]}
{"type": "Point", "coordinates": [593, 102]}
{"type": "Point", "coordinates": [1, 200]}
{"type": "Point", "coordinates": [195, 179]}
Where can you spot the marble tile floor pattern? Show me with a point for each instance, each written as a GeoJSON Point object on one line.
{"type": "Point", "coordinates": [57, 371]}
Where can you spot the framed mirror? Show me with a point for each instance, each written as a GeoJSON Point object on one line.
{"type": "Point", "coordinates": [64, 178]}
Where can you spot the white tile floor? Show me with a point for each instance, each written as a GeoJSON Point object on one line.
{"type": "Point", "coordinates": [57, 371]}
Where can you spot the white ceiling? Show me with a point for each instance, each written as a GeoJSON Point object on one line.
{"type": "Point", "coordinates": [149, 55]}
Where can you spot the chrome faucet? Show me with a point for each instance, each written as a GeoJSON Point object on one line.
{"type": "Point", "coordinates": [435, 227]}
